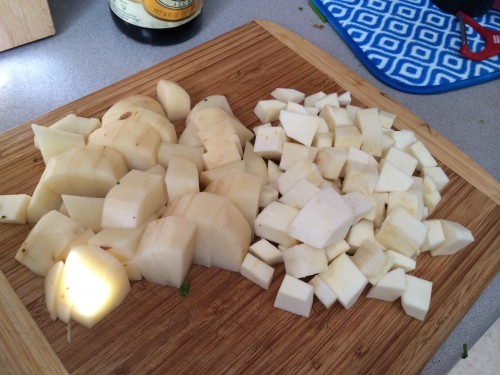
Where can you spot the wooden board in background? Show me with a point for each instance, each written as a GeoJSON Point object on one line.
{"type": "Point", "coordinates": [24, 21]}
{"type": "Point", "coordinates": [227, 324]}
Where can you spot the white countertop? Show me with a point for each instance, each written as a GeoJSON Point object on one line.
{"type": "Point", "coordinates": [88, 53]}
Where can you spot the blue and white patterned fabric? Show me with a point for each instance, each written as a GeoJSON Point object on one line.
{"type": "Point", "coordinates": [411, 45]}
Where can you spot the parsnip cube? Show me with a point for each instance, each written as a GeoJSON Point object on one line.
{"type": "Point", "coordinates": [371, 130]}
{"type": "Point", "coordinates": [402, 160]}
{"type": "Point", "coordinates": [303, 260]}
{"type": "Point", "coordinates": [269, 142]}
{"type": "Point", "coordinates": [360, 177]}
{"type": "Point", "coordinates": [336, 117]}
{"type": "Point", "coordinates": [295, 296]}
{"type": "Point", "coordinates": [360, 232]}
{"type": "Point", "coordinates": [347, 136]}
{"type": "Point", "coordinates": [170, 241]}
{"type": "Point", "coordinates": [386, 119]}
{"type": "Point", "coordinates": [325, 219]}
{"type": "Point", "coordinates": [293, 152]}
{"type": "Point", "coordinates": [257, 271]}
{"type": "Point", "coordinates": [330, 99]}
{"type": "Point", "coordinates": [255, 164]}
{"type": "Point", "coordinates": [402, 232]}
{"type": "Point", "coordinates": [390, 287]}
{"type": "Point", "coordinates": [288, 95]}
{"type": "Point", "coordinates": [411, 200]}
{"type": "Point", "coordinates": [456, 237]}
{"type": "Point", "coordinates": [309, 100]}
{"type": "Point", "coordinates": [268, 193]}
{"type": "Point", "coordinates": [345, 98]}
{"type": "Point", "coordinates": [345, 279]}
{"type": "Point", "coordinates": [331, 161]}
{"type": "Point", "coordinates": [266, 251]}
{"type": "Point", "coordinates": [335, 249]}
{"type": "Point", "coordinates": [326, 296]}
{"type": "Point", "coordinates": [207, 177]}
{"type": "Point", "coordinates": [298, 195]}
{"type": "Point", "coordinates": [437, 175]}
{"type": "Point", "coordinates": [321, 140]}
{"type": "Point", "coordinates": [302, 169]}
{"type": "Point", "coordinates": [416, 299]}
{"type": "Point", "coordinates": [299, 127]}
{"type": "Point", "coordinates": [391, 178]}
{"type": "Point", "coordinates": [273, 223]}
{"type": "Point", "coordinates": [372, 261]}
{"type": "Point", "coordinates": [402, 138]}
{"type": "Point", "coordinates": [401, 261]}
{"type": "Point", "coordinates": [14, 208]}
{"type": "Point", "coordinates": [273, 172]}
{"type": "Point", "coordinates": [360, 203]}
{"type": "Point", "coordinates": [431, 194]}
{"type": "Point", "coordinates": [269, 110]}
{"type": "Point", "coordinates": [422, 154]}
{"type": "Point", "coordinates": [435, 235]}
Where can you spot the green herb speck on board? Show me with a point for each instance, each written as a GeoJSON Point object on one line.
{"type": "Point", "coordinates": [465, 353]}
{"type": "Point", "coordinates": [481, 122]}
{"type": "Point", "coordinates": [184, 289]}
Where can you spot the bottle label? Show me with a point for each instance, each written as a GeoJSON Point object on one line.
{"type": "Point", "coordinates": [156, 14]}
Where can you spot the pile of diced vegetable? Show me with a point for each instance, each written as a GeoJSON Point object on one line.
{"type": "Point", "coordinates": [327, 188]}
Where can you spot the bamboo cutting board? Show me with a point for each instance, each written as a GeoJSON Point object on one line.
{"type": "Point", "coordinates": [227, 324]}
{"type": "Point", "coordinates": [24, 21]}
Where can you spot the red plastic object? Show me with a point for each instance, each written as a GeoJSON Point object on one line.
{"type": "Point", "coordinates": [491, 38]}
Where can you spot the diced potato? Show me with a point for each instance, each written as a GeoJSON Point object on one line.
{"type": "Point", "coordinates": [14, 208]}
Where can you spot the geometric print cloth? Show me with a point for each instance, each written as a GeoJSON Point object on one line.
{"type": "Point", "coordinates": [412, 45]}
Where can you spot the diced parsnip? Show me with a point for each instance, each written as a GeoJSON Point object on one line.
{"type": "Point", "coordinates": [309, 100]}
{"type": "Point", "coordinates": [422, 154]}
{"type": "Point", "coordinates": [222, 236]}
{"type": "Point", "coordinates": [243, 189]}
{"type": "Point", "coordinates": [288, 95]}
{"type": "Point", "coordinates": [298, 195]}
{"type": "Point", "coordinates": [330, 99]}
{"type": "Point", "coordinates": [323, 292]}
{"type": "Point", "coordinates": [295, 296]}
{"type": "Point", "coordinates": [345, 279]}
{"type": "Point", "coordinates": [273, 172]}
{"type": "Point", "coordinates": [136, 141]}
{"type": "Point", "coordinates": [157, 121]}
{"type": "Point", "coordinates": [213, 100]}
{"type": "Point", "coordinates": [299, 127]}
{"type": "Point", "coordinates": [402, 138]}
{"type": "Point", "coordinates": [269, 141]}
{"type": "Point", "coordinates": [411, 200]}
{"type": "Point", "coordinates": [372, 261]}
{"type": "Point", "coordinates": [181, 178]}
{"type": "Point", "coordinates": [295, 107]}
{"type": "Point", "coordinates": [86, 210]}
{"type": "Point", "coordinates": [325, 219]}
{"type": "Point", "coordinates": [75, 124]}
{"type": "Point", "coordinates": [323, 140]}
{"type": "Point", "coordinates": [391, 178]}
{"type": "Point", "coordinates": [360, 203]}
{"type": "Point", "coordinates": [336, 117]}
{"type": "Point", "coordinates": [226, 154]}
{"type": "Point", "coordinates": [402, 232]}
{"type": "Point", "coordinates": [331, 161]}
{"type": "Point", "coordinates": [254, 163]}
{"type": "Point", "coordinates": [302, 169]}
{"type": "Point", "coordinates": [266, 251]}
{"type": "Point", "coordinates": [96, 284]}
{"type": "Point", "coordinates": [456, 237]}
{"type": "Point", "coordinates": [167, 150]}
{"type": "Point", "coordinates": [293, 152]}
{"type": "Point", "coordinates": [360, 177]}
{"type": "Point", "coordinates": [170, 243]}
{"type": "Point", "coordinates": [135, 198]}
{"type": "Point", "coordinates": [386, 119]}
{"type": "Point", "coordinates": [401, 261]}
{"type": "Point", "coordinates": [360, 232]}
{"type": "Point", "coordinates": [435, 235]}
{"type": "Point", "coordinates": [416, 299]}
{"type": "Point", "coordinates": [351, 110]}
{"type": "Point", "coordinates": [335, 249]}
{"type": "Point", "coordinates": [50, 287]}
{"type": "Point", "coordinates": [371, 130]}
{"type": "Point", "coordinates": [303, 260]}
{"type": "Point", "coordinates": [437, 175]}
{"type": "Point", "coordinates": [122, 243]}
{"type": "Point", "coordinates": [216, 115]}
{"type": "Point", "coordinates": [14, 208]}
{"type": "Point", "coordinates": [53, 142]}
{"type": "Point", "coordinates": [46, 242]}
{"type": "Point", "coordinates": [402, 160]}
{"type": "Point", "coordinates": [390, 287]}
{"type": "Point", "coordinates": [431, 194]}
{"type": "Point", "coordinates": [174, 99]}
{"type": "Point", "coordinates": [206, 177]}
{"type": "Point", "coordinates": [257, 271]}
{"type": "Point", "coordinates": [345, 98]}
{"type": "Point", "coordinates": [268, 110]}
{"type": "Point", "coordinates": [273, 223]}
{"type": "Point", "coordinates": [269, 193]}
{"type": "Point", "coordinates": [347, 136]}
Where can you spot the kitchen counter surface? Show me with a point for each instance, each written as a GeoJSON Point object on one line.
{"type": "Point", "coordinates": [88, 53]}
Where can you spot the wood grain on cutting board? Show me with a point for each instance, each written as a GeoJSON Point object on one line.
{"type": "Point", "coordinates": [227, 324]}
{"type": "Point", "coordinates": [24, 21]}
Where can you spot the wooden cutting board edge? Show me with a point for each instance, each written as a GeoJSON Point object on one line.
{"type": "Point", "coordinates": [19, 331]}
